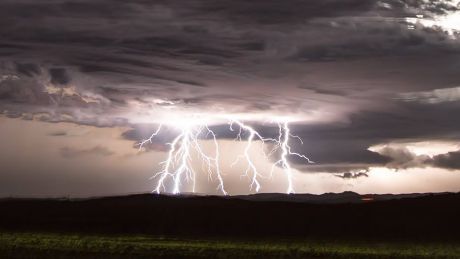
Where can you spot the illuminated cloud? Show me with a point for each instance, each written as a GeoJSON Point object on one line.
{"type": "Point", "coordinates": [433, 97]}
{"type": "Point", "coordinates": [448, 20]}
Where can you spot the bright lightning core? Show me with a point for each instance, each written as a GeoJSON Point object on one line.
{"type": "Point", "coordinates": [178, 164]}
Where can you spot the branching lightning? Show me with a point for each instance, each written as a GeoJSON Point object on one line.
{"type": "Point", "coordinates": [178, 164]}
{"type": "Point", "coordinates": [283, 143]}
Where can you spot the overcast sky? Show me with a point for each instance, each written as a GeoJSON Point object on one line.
{"type": "Point", "coordinates": [374, 87]}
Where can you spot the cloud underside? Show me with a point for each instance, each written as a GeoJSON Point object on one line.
{"type": "Point", "coordinates": [354, 71]}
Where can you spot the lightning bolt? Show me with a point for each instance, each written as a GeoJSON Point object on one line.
{"type": "Point", "coordinates": [283, 143]}
{"type": "Point", "coordinates": [252, 135]}
{"type": "Point", "coordinates": [178, 164]}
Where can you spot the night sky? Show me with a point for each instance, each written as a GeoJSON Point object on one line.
{"type": "Point", "coordinates": [372, 88]}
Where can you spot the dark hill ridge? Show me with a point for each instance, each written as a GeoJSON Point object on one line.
{"type": "Point", "coordinates": [431, 216]}
{"type": "Point", "coordinates": [326, 198]}
{"type": "Point", "coordinates": [329, 198]}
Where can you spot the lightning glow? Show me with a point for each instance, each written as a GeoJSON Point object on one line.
{"type": "Point", "coordinates": [177, 167]}
{"type": "Point", "coordinates": [448, 22]}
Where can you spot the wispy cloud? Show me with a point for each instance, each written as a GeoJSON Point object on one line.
{"type": "Point", "coordinates": [69, 152]}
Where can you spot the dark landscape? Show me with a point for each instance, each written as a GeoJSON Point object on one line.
{"type": "Point", "coordinates": [332, 225]}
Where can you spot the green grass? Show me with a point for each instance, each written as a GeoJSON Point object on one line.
{"type": "Point", "coordinates": [39, 245]}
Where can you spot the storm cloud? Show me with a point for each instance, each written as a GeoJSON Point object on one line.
{"type": "Point", "coordinates": [356, 72]}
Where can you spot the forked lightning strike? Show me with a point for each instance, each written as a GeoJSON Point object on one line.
{"type": "Point", "coordinates": [178, 164]}
{"type": "Point", "coordinates": [283, 143]}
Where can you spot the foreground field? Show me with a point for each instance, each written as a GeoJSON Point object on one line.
{"type": "Point", "coordinates": [35, 245]}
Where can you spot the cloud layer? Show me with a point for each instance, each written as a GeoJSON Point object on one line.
{"type": "Point", "coordinates": [356, 72]}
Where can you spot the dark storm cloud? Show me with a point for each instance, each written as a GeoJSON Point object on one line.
{"type": "Point", "coordinates": [351, 68]}
{"type": "Point", "coordinates": [22, 91]}
{"type": "Point", "coordinates": [402, 158]}
{"type": "Point", "coordinates": [450, 160]}
{"type": "Point", "coordinates": [59, 76]}
{"type": "Point", "coordinates": [274, 12]}
{"type": "Point", "coordinates": [28, 69]}
{"type": "Point", "coordinates": [344, 147]}
{"type": "Point", "coordinates": [349, 175]}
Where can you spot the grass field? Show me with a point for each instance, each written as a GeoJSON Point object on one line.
{"type": "Point", "coordinates": [38, 245]}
